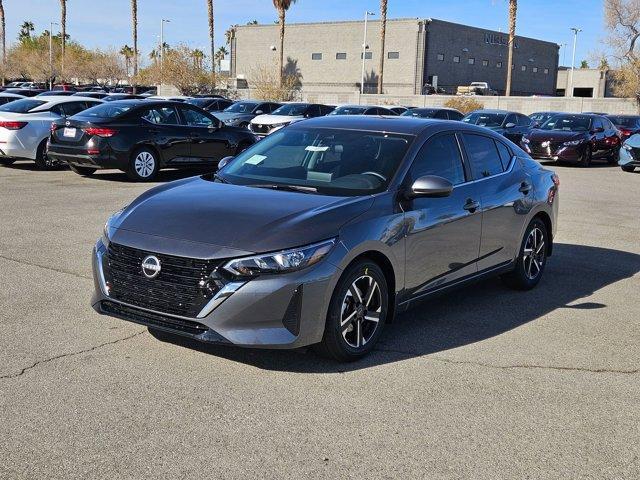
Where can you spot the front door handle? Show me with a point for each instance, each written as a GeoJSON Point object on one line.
{"type": "Point", "coordinates": [471, 205]}
{"type": "Point", "coordinates": [525, 187]}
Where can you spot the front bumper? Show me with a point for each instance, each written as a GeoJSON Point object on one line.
{"type": "Point", "coordinates": [561, 153]}
{"type": "Point", "coordinates": [626, 158]}
{"type": "Point", "coordinates": [271, 311]}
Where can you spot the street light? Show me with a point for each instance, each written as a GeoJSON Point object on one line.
{"type": "Point", "coordinates": [162, 22]}
{"type": "Point", "coordinates": [51, 54]}
{"type": "Point", "coordinates": [573, 58]}
{"type": "Point", "coordinates": [367, 14]}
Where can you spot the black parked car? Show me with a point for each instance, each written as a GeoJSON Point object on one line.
{"type": "Point", "coordinates": [55, 93]}
{"type": "Point", "coordinates": [140, 138]}
{"type": "Point", "coordinates": [437, 113]}
{"type": "Point", "coordinates": [89, 94]}
{"type": "Point", "coordinates": [362, 110]}
{"type": "Point", "coordinates": [211, 104]}
{"type": "Point", "coordinates": [628, 125]}
{"type": "Point", "coordinates": [512, 125]}
{"type": "Point", "coordinates": [25, 92]}
{"type": "Point", "coordinates": [241, 113]}
{"type": "Point", "coordinates": [112, 97]}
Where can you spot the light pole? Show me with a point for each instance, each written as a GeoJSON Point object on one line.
{"type": "Point", "coordinates": [573, 58]}
{"type": "Point", "coordinates": [162, 22]}
{"type": "Point", "coordinates": [51, 55]}
{"type": "Point", "coordinates": [364, 49]}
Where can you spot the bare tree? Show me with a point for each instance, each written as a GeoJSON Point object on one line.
{"type": "Point", "coordinates": [513, 12]}
{"type": "Point", "coordinates": [622, 20]}
{"type": "Point", "coordinates": [134, 31]}
{"type": "Point", "coordinates": [383, 35]}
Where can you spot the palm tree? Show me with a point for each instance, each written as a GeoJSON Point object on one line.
{"type": "Point", "coordinates": [211, 31]}
{"type": "Point", "coordinates": [513, 11]}
{"type": "Point", "coordinates": [253, 22]}
{"type": "Point", "coordinates": [383, 35]}
{"type": "Point", "coordinates": [134, 31]}
{"type": "Point", "coordinates": [228, 35]}
{"type": "Point", "coordinates": [25, 30]}
{"type": "Point", "coordinates": [198, 56]}
{"type": "Point", "coordinates": [220, 54]}
{"type": "Point", "coordinates": [282, 6]}
{"type": "Point", "coordinates": [63, 26]}
{"type": "Point", "coordinates": [127, 53]}
{"type": "Point", "coordinates": [154, 55]}
{"type": "Point", "coordinates": [3, 40]}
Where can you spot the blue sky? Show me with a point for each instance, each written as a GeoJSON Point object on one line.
{"type": "Point", "coordinates": [107, 22]}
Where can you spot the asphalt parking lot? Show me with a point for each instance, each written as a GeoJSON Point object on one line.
{"type": "Point", "coordinates": [484, 383]}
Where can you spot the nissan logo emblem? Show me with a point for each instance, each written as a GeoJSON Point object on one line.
{"type": "Point", "coordinates": [67, 123]}
{"type": "Point", "coordinates": [151, 266]}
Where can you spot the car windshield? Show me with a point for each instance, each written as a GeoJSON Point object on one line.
{"type": "Point", "coordinates": [348, 111]}
{"type": "Point", "coordinates": [420, 112]}
{"type": "Point", "coordinates": [540, 118]}
{"type": "Point", "coordinates": [106, 110]}
{"type": "Point", "coordinates": [291, 109]}
{"type": "Point", "coordinates": [568, 123]}
{"type": "Point", "coordinates": [22, 106]}
{"type": "Point", "coordinates": [320, 160]}
{"type": "Point", "coordinates": [241, 107]}
{"type": "Point", "coordinates": [485, 119]}
{"type": "Point", "coordinates": [199, 102]}
{"type": "Point", "coordinates": [629, 122]}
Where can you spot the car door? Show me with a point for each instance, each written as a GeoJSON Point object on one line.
{"type": "Point", "coordinates": [208, 142]}
{"type": "Point", "coordinates": [505, 192]}
{"type": "Point", "coordinates": [443, 234]}
{"type": "Point", "coordinates": [167, 133]}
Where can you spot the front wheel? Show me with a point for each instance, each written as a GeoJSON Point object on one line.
{"type": "Point", "coordinates": [143, 166]}
{"type": "Point", "coordinates": [532, 258]}
{"type": "Point", "coordinates": [357, 313]}
{"type": "Point", "coordinates": [627, 168]}
{"type": "Point", "coordinates": [84, 171]}
{"type": "Point", "coordinates": [585, 159]}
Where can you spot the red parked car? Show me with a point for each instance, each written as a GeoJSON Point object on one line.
{"type": "Point", "coordinates": [627, 124]}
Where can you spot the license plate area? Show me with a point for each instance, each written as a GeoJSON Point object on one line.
{"type": "Point", "coordinates": [69, 132]}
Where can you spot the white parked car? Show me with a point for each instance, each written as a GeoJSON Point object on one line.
{"type": "Point", "coordinates": [6, 97]}
{"type": "Point", "coordinates": [263, 125]}
{"type": "Point", "coordinates": [25, 125]}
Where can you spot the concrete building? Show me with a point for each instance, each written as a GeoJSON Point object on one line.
{"type": "Point", "coordinates": [328, 56]}
{"type": "Point", "coordinates": [587, 82]}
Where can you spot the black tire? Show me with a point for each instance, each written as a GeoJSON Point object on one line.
{"type": "Point", "coordinates": [6, 161]}
{"type": "Point", "coordinates": [43, 162]}
{"type": "Point", "coordinates": [84, 171]}
{"type": "Point", "coordinates": [585, 159]}
{"type": "Point", "coordinates": [613, 158]}
{"type": "Point", "coordinates": [360, 332]}
{"type": "Point", "coordinates": [627, 168]}
{"type": "Point", "coordinates": [522, 278]}
{"type": "Point", "coordinates": [143, 165]}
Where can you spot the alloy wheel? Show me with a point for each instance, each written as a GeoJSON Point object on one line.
{"type": "Point", "coordinates": [534, 253]}
{"type": "Point", "coordinates": [144, 164]}
{"type": "Point", "coordinates": [361, 311]}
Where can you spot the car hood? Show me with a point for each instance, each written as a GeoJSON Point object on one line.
{"type": "Point", "coordinates": [275, 119]}
{"type": "Point", "coordinates": [232, 116]}
{"type": "Point", "coordinates": [555, 136]}
{"type": "Point", "coordinates": [633, 141]}
{"type": "Point", "coordinates": [248, 219]}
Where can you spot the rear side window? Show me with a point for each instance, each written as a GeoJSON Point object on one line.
{"type": "Point", "coordinates": [511, 119]}
{"type": "Point", "coordinates": [524, 121]}
{"type": "Point", "coordinates": [106, 110]}
{"type": "Point", "coordinates": [194, 118]}
{"type": "Point", "coordinates": [483, 156]}
{"type": "Point", "coordinates": [505, 155]}
{"type": "Point", "coordinates": [22, 106]}
{"type": "Point", "coordinates": [162, 116]}
{"type": "Point", "coordinates": [441, 114]}
{"type": "Point", "coordinates": [455, 115]}
{"type": "Point", "coordinates": [71, 108]}
{"type": "Point", "coordinates": [439, 156]}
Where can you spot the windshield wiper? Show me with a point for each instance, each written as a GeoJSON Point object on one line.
{"type": "Point", "coordinates": [289, 188]}
{"type": "Point", "coordinates": [220, 179]}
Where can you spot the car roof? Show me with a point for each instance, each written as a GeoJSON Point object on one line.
{"type": "Point", "coordinates": [492, 110]}
{"type": "Point", "coordinates": [56, 99]}
{"type": "Point", "coordinates": [11, 95]}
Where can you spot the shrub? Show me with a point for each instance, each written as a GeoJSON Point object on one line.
{"type": "Point", "coordinates": [464, 104]}
{"type": "Point", "coordinates": [264, 81]}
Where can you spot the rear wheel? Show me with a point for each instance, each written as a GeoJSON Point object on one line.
{"type": "Point", "coordinates": [43, 162]}
{"type": "Point", "coordinates": [357, 313]}
{"type": "Point", "coordinates": [84, 171]}
{"type": "Point", "coordinates": [612, 159]}
{"type": "Point", "coordinates": [532, 258]}
{"type": "Point", "coordinates": [627, 168]}
{"type": "Point", "coordinates": [143, 166]}
{"type": "Point", "coordinates": [585, 159]}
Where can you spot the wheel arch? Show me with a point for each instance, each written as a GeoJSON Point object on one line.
{"type": "Point", "coordinates": [546, 219]}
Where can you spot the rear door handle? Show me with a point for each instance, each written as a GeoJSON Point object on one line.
{"type": "Point", "coordinates": [471, 205]}
{"type": "Point", "coordinates": [525, 187]}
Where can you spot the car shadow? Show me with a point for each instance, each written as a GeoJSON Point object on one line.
{"type": "Point", "coordinates": [163, 176]}
{"type": "Point", "coordinates": [470, 315]}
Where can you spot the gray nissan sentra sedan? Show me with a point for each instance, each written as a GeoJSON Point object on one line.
{"type": "Point", "coordinates": [322, 232]}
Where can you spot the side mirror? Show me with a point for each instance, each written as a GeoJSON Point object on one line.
{"type": "Point", "coordinates": [225, 161]}
{"type": "Point", "coordinates": [430, 186]}
{"type": "Point", "coordinates": [259, 112]}
{"type": "Point", "coordinates": [510, 125]}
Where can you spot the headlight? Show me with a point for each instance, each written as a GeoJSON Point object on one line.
{"type": "Point", "coordinates": [627, 147]}
{"type": "Point", "coordinates": [572, 143]}
{"type": "Point", "coordinates": [279, 262]}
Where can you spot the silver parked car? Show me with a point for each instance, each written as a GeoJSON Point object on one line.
{"type": "Point", "coordinates": [323, 231]}
{"type": "Point", "coordinates": [25, 125]}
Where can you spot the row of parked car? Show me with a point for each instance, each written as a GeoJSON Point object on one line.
{"type": "Point", "coordinates": [142, 134]}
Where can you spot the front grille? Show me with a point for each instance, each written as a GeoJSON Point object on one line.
{"type": "Point", "coordinates": [538, 149]}
{"type": "Point", "coordinates": [257, 128]}
{"type": "Point", "coordinates": [153, 319]}
{"type": "Point", "coordinates": [183, 286]}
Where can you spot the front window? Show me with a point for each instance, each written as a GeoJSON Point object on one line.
{"type": "Point", "coordinates": [349, 111]}
{"type": "Point", "coordinates": [241, 107]}
{"type": "Point", "coordinates": [291, 109]}
{"type": "Point", "coordinates": [322, 161]}
{"type": "Point", "coordinates": [22, 106]}
{"type": "Point", "coordinates": [485, 119]}
{"type": "Point", "coordinates": [568, 123]}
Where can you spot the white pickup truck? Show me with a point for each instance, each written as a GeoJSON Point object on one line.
{"type": "Point", "coordinates": [476, 88]}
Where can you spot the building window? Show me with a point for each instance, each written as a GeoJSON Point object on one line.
{"type": "Point", "coordinates": [546, 71]}
{"type": "Point", "coordinates": [316, 56]}
{"type": "Point", "coordinates": [367, 55]}
{"type": "Point", "coordinates": [393, 55]}
{"type": "Point", "coordinates": [485, 63]}
{"type": "Point", "coordinates": [472, 61]}
{"type": "Point", "coordinates": [523, 68]}
{"type": "Point", "coordinates": [456, 59]}
{"type": "Point", "coordinates": [535, 69]}
{"type": "Point", "coordinates": [499, 65]}
{"type": "Point", "coordinates": [341, 56]}
{"type": "Point", "coordinates": [441, 57]}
